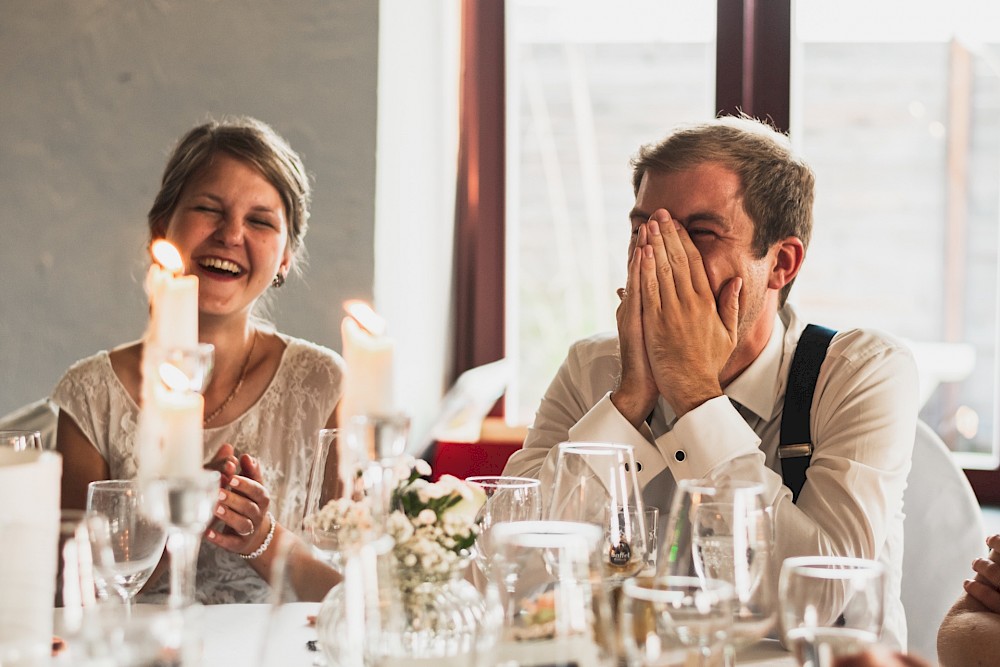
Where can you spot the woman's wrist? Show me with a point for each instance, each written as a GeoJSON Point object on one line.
{"type": "Point", "coordinates": [265, 545]}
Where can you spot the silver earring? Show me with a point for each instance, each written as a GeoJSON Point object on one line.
{"type": "Point", "coordinates": [278, 281]}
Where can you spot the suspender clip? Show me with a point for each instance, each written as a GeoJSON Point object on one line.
{"type": "Point", "coordinates": [795, 451]}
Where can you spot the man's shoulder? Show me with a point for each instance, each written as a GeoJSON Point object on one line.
{"type": "Point", "coordinates": [593, 348]}
{"type": "Point", "coordinates": [861, 344]}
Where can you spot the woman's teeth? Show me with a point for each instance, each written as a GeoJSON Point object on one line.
{"type": "Point", "coordinates": [220, 265]}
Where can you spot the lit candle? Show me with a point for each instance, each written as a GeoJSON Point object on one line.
{"type": "Point", "coordinates": [173, 299]}
{"type": "Point", "coordinates": [368, 355]}
{"type": "Point", "coordinates": [170, 441]}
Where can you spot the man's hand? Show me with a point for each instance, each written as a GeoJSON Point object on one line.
{"type": "Point", "coordinates": [985, 587]}
{"type": "Point", "coordinates": [636, 393]}
{"type": "Point", "coordinates": [880, 658]}
{"type": "Point", "coordinates": [688, 339]}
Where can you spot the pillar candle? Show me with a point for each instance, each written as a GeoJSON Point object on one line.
{"type": "Point", "coordinates": [180, 416]}
{"type": "Point", "coordinates": [173, 300]}
{"type": "Point", "coordinates": [368, 354]}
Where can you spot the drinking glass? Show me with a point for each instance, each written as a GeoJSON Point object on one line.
{"type": "Point", "coordinates": [597, 483]}
{"type": "Point", "coordinates": [831, 607]}
{"type": "Point", "coordinates": [136, 541]}
{"type": "Point", "coordinates": [553, 603]}
{"type": "Point", "coordinates": [184, 506]}
{"type": "Point", "coordinates": [682, 621]}
{"type": "Point", "coordinates": [20, 440]}
{"type": "Point", "coordinates": [723, 532]}
{"type": "Point", "coordinates": [82, 620]}
{"type": "Point", "coordinates": [507, 499]}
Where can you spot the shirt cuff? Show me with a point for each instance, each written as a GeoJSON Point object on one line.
{"type": "Point", "coordinates": [603, 423]}
{"type": "Point", "coordinates": [710, 435]}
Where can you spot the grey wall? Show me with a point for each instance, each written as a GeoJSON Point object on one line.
{"type": "Point", "coordinates": [95, 92]}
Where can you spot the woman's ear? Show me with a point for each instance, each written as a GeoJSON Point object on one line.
{"type": "Point", "coordinates": [788, 256]}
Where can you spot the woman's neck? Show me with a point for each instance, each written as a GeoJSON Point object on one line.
{"type": "Point", "coordinates": [231, 337]}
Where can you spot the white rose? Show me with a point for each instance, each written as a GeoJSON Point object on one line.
{"type": "Point", "coordinates": [473, 498]}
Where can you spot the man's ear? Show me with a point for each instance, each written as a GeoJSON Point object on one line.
{"type": "Point", "coordinates": [788, 256]}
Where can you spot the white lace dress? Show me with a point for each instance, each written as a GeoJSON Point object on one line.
{"type": "Point", "coordinates": [280, 431]}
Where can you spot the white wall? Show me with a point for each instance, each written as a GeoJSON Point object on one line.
{"type": "Point", "coordinates": [94, 95]}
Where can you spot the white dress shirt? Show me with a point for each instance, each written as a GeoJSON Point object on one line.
{"type": "Point", "coordinates": [862, 421]}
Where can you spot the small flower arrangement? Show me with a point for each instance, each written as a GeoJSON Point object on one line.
{"type": "Point", "coordinates": [433, 524]}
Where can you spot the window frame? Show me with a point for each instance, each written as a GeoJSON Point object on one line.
{"type": "Point", "coordinates": [753, 76]}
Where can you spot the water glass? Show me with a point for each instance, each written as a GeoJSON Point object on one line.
{"type": "Point", "coordinates": [831, 607]}
{"type": "Point", "coordinates": [20, 440]}
{"type": "Point", "coordinates": [724, 532]}
{"type": "Point", "coordinates": [507, 499]}
{"type": "Point", "coordinates": [597, 483]}
{"type": "Point", "coordinates": [682, 621]}
{"type": "Point", "coordinates": [553, 603]}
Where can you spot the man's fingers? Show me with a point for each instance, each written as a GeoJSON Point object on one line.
{"type": "Point", "coordinates": [729, 305]}
{"type": "Point", "coordinates": [695, 263]}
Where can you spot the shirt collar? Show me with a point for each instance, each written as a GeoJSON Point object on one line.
{"type": "Point", "coordinates": [756, 386]}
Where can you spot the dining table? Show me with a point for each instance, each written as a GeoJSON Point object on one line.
{"type": "Point", "coordinates": [259, 635]}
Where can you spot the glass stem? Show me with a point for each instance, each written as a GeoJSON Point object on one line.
{"type": "Point", "coordinates": [183, 547]}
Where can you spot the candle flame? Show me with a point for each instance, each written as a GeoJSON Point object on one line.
{"type": "Point", "coordinates": [166, 255]}
{"type": "Point", "coordinates": [365, 316]}
{"type": "Point", "coordinates": [174, 378]}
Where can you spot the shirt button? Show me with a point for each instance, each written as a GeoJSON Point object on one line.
{"type": "Point", "coordinates": [680, 455]}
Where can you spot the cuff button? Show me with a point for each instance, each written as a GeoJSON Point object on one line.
{"type": "Point", "coordinates": [680, 455]}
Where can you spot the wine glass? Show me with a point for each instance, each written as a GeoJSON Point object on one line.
{"type": "Point", "coordinates": [136, 541]}
{"type": "Point", "coordinates": [507, 499]}
{"type": "Point", "coordinates": [723, 532]}
{"type": "Point", "coordinates": [20, 440]}
{"type": "Point", "coordinates": [830, 607]}
{"type": "Point", "coordinates": [597, 483]}
{"type": "Point", "coordinates": [675, 621]}
{"type": "Point", "coordinates": [553, 604]}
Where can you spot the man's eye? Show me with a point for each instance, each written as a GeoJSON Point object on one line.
{"type": "Point", "coordinates": [701, 232]}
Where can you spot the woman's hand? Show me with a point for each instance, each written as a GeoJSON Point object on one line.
{"type": "Point", "coordinates": [880, 659]}
{"type": "Point", "coordinates": [225, 462]}
{"type": "Point", "coordinates": [243, 509]}
{"type": "Point", "coordinates": [985, 587]}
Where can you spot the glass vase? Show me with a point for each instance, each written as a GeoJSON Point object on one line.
{"type": "Point", "coordinates": [425, 618]}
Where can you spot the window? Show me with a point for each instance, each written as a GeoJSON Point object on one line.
{"type": "Point", "coordinates": [896, 105]}
{"type": "Point", "coordinates": [901, 122]}
{"type": "Point", "coordinates": [585, 87]}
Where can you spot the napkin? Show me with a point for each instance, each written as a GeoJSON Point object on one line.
{"type": "Point", "coordinates": [29, 539]}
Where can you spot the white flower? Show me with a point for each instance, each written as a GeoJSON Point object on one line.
{"type": "Point", "coordinates": [422, 467]}
{"type": "Point", "coordinates": [473, 498]}
{"type": "Point", "coordinates": [426, 517]}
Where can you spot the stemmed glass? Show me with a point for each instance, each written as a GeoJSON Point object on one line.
{"type": "Point", "coordinates": [507, 499]}
{"type": "Point", "coordinates": [136, 542]}
{"type": "Point", "coordinates": [723, 532]}
{"type": "Point", "coordinates": [831, 607]}
{"type": "Point", "coordinates": [597, 483]}
{"type": "Point", "coordinates": [675, 621]}
{"type": "Point", "coordinates": [185, 506]}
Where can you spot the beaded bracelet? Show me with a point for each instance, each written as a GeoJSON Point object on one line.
{"type": "Point", "coordinates": [259, 551]}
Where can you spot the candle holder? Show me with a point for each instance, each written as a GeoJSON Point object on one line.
{"type": "Point", "coordinates": [195, 364]}
{"type": "Point", "coordinates": [184, 505]}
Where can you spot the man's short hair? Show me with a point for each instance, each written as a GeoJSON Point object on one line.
{"type": "Point", "coordinates": [777, 185]}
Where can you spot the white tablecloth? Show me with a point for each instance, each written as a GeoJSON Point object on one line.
{"type": "Point", "coordinates": [237, 634]}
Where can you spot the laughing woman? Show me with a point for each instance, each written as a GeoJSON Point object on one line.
{"type": "Point", "coordinates": [234, 201]}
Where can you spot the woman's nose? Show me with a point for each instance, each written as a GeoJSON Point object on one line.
{"type": "Point", "coordinates": [230, 230]}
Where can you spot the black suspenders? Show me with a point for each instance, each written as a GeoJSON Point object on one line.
{"type": "Point", "coordinates": [795, 442]}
